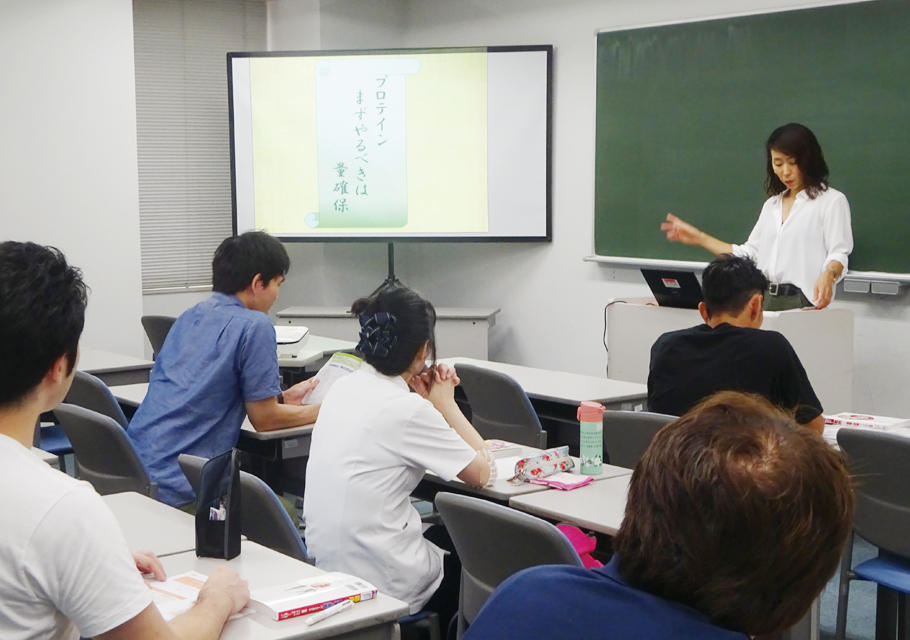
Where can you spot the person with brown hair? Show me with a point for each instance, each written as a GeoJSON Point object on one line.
{"type": "Point", "coordinates": [735, 520]}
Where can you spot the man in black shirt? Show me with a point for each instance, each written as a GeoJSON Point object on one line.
{"type": "Point", "coordinates": [730, 351]}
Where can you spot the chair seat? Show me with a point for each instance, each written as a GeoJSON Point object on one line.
{"type": "Point", "coordinates": [888, 572]}
{"type": "Point", "coordinates": [54, 440]}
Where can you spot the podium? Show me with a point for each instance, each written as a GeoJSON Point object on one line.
{"type": "Point", "coordinates": [823, 340]}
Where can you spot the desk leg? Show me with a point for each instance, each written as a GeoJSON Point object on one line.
{"type": "Point", "coordinates": [389, 631]}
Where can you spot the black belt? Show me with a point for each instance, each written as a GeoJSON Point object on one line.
{"type": "Point", "coordinates": [783, 289]}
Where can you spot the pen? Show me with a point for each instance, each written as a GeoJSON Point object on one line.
{"type": "Point", "coordinates": [331, 611]}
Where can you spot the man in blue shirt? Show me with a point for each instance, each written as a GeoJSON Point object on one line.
{"type": "Point", "coordinates": [736, 518]}
{"type": "Point", "coordinates": [218, 365]}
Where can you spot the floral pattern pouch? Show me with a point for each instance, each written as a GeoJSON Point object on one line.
{"type": "Point", "coordinates": [544, 464]}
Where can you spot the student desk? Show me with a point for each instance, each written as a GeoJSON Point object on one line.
{"type": "Point", "coordinates": [49, 458]}
{"type": "Point", "coordinates": [113, 368]}
{"type": "Point", "coordinates": [599, 506]}
{"type": "Point", "coordinates": [151, 525]}
{"type": "Point", "coordinates": [315, 353]}
{"type": "Point", "coordinates": [556, 395]}
{"type": "Point", "coordinates": [458, 330]}
{"type": "Point", "coordinates": [504, 491]}
{"type": "Point", "coordinates": [261, 567]}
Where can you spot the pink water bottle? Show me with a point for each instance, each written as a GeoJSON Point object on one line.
{"type": "Point", "coordinates": [591, 438]}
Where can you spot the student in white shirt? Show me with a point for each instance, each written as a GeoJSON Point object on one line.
{"type": "Point", "coordinates": [373, 442]}
{"type": "Point", "coordinates": [65, 569]}
{"type": "Point", "coordinates": [803, 235]}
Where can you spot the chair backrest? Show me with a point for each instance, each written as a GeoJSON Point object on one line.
{"type": "Point", "coordinates": [494, 542]}
{"type": "Point", "coordinates": [89, 392]}
{"type": "Point", "coordinates": [500, 408]}
{"type": "Point", "coordinates": [263, 518]}
{"type": "Point", "coordinates": [880, 465]}
{"type": "Point", "coordinates": [628, 433]}
{"type": "Point", "coordinates": [105, 456]}
{"type": "Point", "coordinates": [157, 328]}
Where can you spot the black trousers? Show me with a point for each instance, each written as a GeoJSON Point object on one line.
{"type": "Point", "coordinates": [445, 601]}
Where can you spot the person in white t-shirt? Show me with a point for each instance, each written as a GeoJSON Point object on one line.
{"type": "Point", "coordinates": [65, 569]}
{"type": "Point", "coordinates": [803, 236]}
{"type": "Point", "coordinates": [373, 442]}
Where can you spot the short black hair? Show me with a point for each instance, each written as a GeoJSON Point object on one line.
{"type": "Point", "coordinates": [729, 282]}
{"type": "Point", "coordinates": [413, 322]}
{"type": "Point", "coordinates": [798, 142]}
{"type": "Point", "coordinates": [239, 258]}
{"type": "Point", "coordinates": [42, 313]}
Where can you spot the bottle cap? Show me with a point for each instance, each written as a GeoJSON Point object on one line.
{"type": "Point", "coordinates": [591, 412]}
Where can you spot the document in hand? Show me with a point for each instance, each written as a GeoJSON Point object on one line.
{"type": "Point", "coordinates": [338, 366]}
{"type": "Point", "coordinates": [310, 595]}
{"type": "Point", "coordinates": [179, 593]}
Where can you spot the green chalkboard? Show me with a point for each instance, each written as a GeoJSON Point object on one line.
{"type": "Point", "coordinates": [683, 112]}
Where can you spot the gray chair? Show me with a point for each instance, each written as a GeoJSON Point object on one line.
{"type": "Point", "coordinates": [91, 393]}
{"type": "Point", "coordinates": [880, 462]}
{"type": "Point", "coordinates": [493, 543]}
{"type": "Point", "coordinates": [104, 454]}
{"type": "Point", "coordinates": [500, 408]}
{"type": "Point", "coordinates": [263, 518]}
{"type": "Point", "coordinates": [157, 328]}
{"type": "Point", "coordinates": [628, 433]}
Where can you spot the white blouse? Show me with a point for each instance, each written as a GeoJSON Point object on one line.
{"type": "Point", "coordinates": [816, 232]}
{"type": "Point", "coordinates": [371, 445]}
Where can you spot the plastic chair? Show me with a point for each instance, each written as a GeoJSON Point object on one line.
{"type": "Point", "coordinates": [500, 407]}
{"type": "Point", "coordinates": [157, 328]}
{"type": "Point", "coordinates": [494, 542]}
{"type": "Point", "coordinates": [263, 518]}
{"type": "Point", "coordinates": [52, 439]}
{"type": "Point", "coordinates": [91, 393]}
{"type": "Point", "coordinates": [104, 453]}
{"type": "Point", "coordinates": [880, 462]}
{"type": "Point", "coordinates": [627, 435]}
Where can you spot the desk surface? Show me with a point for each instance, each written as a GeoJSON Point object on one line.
{"type": "Point", "coordinates": [262, 567]}
{"type": "Point", "coordinates": [503, 490]}
{"type": "Point", "coordinates": [134, 394]}
{"type": "Point", "coordinates": [95, 361]}
{"type": "Point", "coordinates": [599, 506]}
{"type": "Point", "coordinates": [316, 348]}
{"type": "Point", "coordinates": [558, 386]}
{"type": "Point", "coordinates": [442, 313]}
{"type": "Point", "coordinates": [151, 525]}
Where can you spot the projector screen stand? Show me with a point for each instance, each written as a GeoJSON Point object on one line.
{"type": "Point", "coordinates": [391, 281]}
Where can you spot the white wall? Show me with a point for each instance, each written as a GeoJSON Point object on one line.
{"type": "Point", "coordinates": [553, 303]}
{"type": "Point", "coordinates": [68, 172]}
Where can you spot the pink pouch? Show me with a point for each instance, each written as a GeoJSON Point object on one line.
{"type": "Point", "coordinates": [583, 544]}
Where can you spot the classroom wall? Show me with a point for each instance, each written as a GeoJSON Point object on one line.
{"type": "Point", "coordinates": [68, 173]}
{"type": "Point", "coordinates": [552, 302]}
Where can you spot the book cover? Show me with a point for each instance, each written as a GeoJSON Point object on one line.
{"type": "Point", "coordinates": [310, 595]}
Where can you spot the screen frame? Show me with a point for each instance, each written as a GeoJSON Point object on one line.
{"type": "Point", "coordinates": [548, 48]}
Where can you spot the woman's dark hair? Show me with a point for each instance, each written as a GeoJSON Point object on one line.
{"type": "Point", "coordinates": [42, 313]}
{"type": "Point", "coordinates": [240, 258]}
{"type": "Point", "coordinates": [736, 511]}
{"type": "Point", "coordinates": [798, 142]}
{"type": "Point", "coordinates": [729, 282]}
{"type": "Point", "coordinates": [395, 323]}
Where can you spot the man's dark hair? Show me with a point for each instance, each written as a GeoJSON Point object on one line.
{"type": "Point", "coordinates": [729, 282]}
{"type": "Point", "coordinates": [413, 322]}
{"type": "Point", "coordinates": [737, 511]}
{"type": "Point", "coordinates": [239, 258]}
{"type": "Point", "coordinates": [798, 142]}
{"type": "Point", "coordinates": [42, 313]}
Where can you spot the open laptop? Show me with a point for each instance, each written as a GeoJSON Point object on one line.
{"type": "Point", "coordinates": [673, 288]}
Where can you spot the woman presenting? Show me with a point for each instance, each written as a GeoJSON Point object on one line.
{"type": "Point", "coordinates": [803, 235]}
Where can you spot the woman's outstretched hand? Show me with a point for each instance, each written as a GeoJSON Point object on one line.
{"type": "Point", "coordinates": [679, 231]}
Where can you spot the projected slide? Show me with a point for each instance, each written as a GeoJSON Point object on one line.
{"type": "Point", "coordinates": [389, 144]}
